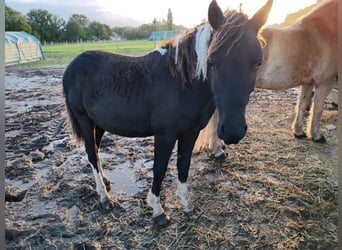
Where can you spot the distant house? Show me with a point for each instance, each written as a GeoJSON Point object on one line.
{"type": "Point", "coordinates": [21, 47]}
{"type": "Point", "coordinates": [161, 35]}
{"type": "Point", "coordinates": [116, 37]}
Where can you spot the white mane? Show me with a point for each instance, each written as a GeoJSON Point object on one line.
{"type": "Point", "coordinates": [201, 47]}
{"type": "Point", "coordinates": [203, 36]}
{"type": "Point", "coordinates": [177, 48]}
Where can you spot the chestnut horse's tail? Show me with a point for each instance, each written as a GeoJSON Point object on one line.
{"type": "Point", "coordinates": [207, 137]}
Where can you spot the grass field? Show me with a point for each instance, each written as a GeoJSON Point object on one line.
{"type": "Point", "coordinates": [63, 53]}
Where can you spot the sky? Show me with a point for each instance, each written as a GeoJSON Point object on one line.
{"type": "Point", "coordinates": [136, 12]}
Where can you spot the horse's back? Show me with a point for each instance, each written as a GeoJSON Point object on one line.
{"type": "Point", "coordinates": [93, 64]}
{"type": "Point", "coordinates": [112, 90]}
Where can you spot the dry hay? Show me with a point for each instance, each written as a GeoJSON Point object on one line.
{"type": "Point", "coordinates": [271, 192]}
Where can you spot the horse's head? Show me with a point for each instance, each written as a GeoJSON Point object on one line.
{"type": "Point", "coordinates": [234, 55]}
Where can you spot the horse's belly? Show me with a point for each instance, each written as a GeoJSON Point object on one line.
{"type": "Point", "coordinates": [128, 124]}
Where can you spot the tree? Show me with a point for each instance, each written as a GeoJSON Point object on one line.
{"type": "Point", "coordinates": [14, 21]}
{"type": "Point", "coordinates": [108, 31]}
{"type": "Point", "coordinates": [46, 26]}
{"type": "Point", "coordinates": [154, 24]}
{"type": "Point", "coordinates": [98, 31]}
{"type": "Point", "coordinates": [169, 20]}
{"type": "Point", "coordinates": [73, 31]}
{"type": "Point", "coordinates": [76, 27]}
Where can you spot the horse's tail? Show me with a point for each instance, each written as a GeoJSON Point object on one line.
{"type": "Point", "coordinates": [73, 123]}
{"type": "Point", "coordinates": [70, 115]}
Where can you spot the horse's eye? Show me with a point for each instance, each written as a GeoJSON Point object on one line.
{"type": "Point", "coordinates": [257, 65]}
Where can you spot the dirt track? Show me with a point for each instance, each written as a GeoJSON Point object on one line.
{"type": "Point", "coordinates": [271, 192]}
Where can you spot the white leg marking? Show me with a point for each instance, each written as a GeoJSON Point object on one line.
{"type": "Point", "coordinates": [183, 196]}
{"type": "Point", "coordinates": [218, 148]}
{"type": "Point", "coordinates": [154, 202]}
{"type": "Point", "coordinates": [100, 186]}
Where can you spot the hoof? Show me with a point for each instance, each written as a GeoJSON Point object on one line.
{"type": "Point", "coordinates": [220, 157]}
{"type": "Point", "coordinates": [107, 204]}
{"type": "Point", "coordinates": [117, 210]}
{"type": "Point", "coordinates": [161, 221]}
{"type": "Point", "coordinates": [106, 181]}
{"type": "Point", "coordinates": [301, 136]}
{"type": "Point", "coordinates": [320, 140]}
{"type": "Point", "coordinates": [190, 213]}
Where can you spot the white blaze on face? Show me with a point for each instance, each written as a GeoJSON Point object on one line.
{"type": "Point", "coordinates": [154, 202]}
{"type": "Point", "coordinates": [183, 196]}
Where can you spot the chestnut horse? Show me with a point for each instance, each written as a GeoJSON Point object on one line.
{"type": "Point", "coordinates": [304, 54]}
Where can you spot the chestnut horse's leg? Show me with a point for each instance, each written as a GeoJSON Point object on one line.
{"type": "Point", "coordinates": [185, 146]}
{"type": "Point", "coordinates": [321, 93]}
{"type": "Point", "coordinates": [163, 145]}
{"type": "Point", "coordinates": [302, 103]}
{"type": "Point", "coordinates": [88, 131]}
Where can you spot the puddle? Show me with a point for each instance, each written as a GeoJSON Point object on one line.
{"type": "Point", "coordinates": [39, 175]}
{"type": "Point", "coordinates": [123, 177]}
{"type": "Point", "coordinates": [15, 83]}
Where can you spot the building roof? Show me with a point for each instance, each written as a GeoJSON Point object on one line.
{"type": "Point", "coordinates": [160, 35]}
{"type": "Point", "coordinates": [15, 36]}
{"type": "Point", "coordinates": [22, 47]}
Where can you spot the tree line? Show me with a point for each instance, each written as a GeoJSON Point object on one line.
{"type": "Point", "coordinates": [48, 27]}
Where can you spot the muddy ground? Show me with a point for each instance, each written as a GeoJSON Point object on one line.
{"type": "Point", "coordinates": [271, 192]}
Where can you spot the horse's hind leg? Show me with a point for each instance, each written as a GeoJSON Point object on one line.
{"type": "Point", "coordinates": [99, 132]}
{"type": "Point", "coordinates": [302, 104]}
{"type": "Point", "coordinates": [88, 130]}
{"type": "Point", "coordinates": [163, 146]}
{"type": "Point", "coordinates": [321, 93]}
{"type": "Point", "coordinates": [185, 147]}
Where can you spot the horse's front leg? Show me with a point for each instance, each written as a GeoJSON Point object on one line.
{"type": "Point", "coordinates": [302, 104]}
{"type": "Point", "coordinates": [185, 146]}
{"type": "Point", "coordinates": [163, 146]}
{"type": "Point", "coordinates": [321, 93]}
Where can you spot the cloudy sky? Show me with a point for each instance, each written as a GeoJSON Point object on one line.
{"type": "Point", "coordinates": [135, 12]}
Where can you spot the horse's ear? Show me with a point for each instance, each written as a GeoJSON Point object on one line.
{"type": "Point", "coordinates": [260, 17]}
{"type": "Point", "coordinates": [215, 15]}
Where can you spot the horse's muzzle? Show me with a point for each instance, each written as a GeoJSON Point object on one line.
{"type": "Point", "coordinates": [231, 135]}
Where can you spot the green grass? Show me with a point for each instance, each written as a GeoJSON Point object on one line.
{"type": "Point", "coordinates": [63, 53]}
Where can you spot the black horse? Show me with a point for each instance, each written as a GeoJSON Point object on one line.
{"type": "Point", "coordinates": [170, 93]}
